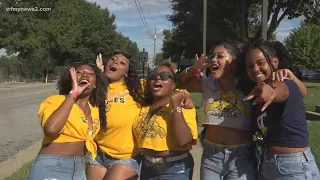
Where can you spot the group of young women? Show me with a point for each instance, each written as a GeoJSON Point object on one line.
{"type": "Point", "coordinates": [132, 128]}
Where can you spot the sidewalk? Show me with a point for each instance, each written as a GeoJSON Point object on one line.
{"type": "Point", "coordinates": [12, 164]}
{"type": "Point", "coordinates": [196, 153]}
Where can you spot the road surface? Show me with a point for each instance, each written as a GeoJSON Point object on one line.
{"type": "Point", "coordinates": [19, 123]}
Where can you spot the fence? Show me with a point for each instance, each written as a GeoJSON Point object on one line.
{"type": "Point", "coordinates": [22, 74]}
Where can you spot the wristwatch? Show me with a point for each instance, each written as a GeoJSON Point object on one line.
{"type": "Point", "coordinates": [178, 110]}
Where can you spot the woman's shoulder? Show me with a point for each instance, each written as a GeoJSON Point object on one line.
{"type": "Point", "coordinates": [55, 99]}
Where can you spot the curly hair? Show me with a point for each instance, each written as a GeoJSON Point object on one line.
{"type": "Point", "coordinates": [98, 95]}
{"type": "Point", "coordinates": [270, 50]}
{"type": "Point", "coordinates": [132, 80]}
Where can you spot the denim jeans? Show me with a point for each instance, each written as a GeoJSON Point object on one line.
{"type": "Point", "coordinates": [107, 161]}
{"type": "Point", "coordinates": [57, 167]}
{"type": "Point", "coordinates": [296, 166]}
{"type": "Point", "coordinates": [226, 163]}
{"type": "Point", "coordinates": [177, 170]}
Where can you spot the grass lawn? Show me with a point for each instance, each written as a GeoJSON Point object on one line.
{"type": "Point", "coordinates": [312, 99]}
{"type": "Point", "coordinates": [20, 174]}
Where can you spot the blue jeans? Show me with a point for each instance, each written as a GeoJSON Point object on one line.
{"type": "Point", "coordinates": [177, 170]}
{"type": "Point", "coordinates": [296, 166]}
{"type": "Point", "coordinates": [226, 163]}
{"type": "Point", "coordinates": [57, 167]}
{"type": "Point", "coordinates": [106, 161]}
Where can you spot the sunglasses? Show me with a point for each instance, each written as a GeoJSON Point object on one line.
{"type": "Point", "coordinates": [163, 75]}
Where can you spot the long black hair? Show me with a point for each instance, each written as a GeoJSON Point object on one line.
{"type": "Point", "coordinates": [270, 50]}
{"type": "Point", "coordinates": [98, 95]}
{"type": "Point", "coordinates": [132, 80]}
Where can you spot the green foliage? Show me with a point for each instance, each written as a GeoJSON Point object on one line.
{"type": "Point", "coordinates": [227, 20]}
{"type": "Point", "coordinates": [304, 46]}
{"type": "Point", "coordinates": [74, 30]}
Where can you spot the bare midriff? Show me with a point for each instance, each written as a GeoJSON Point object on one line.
{"type": "Point", "coordinates": [284, 150]}
{"type": "Point", "coordinates": [170, 153]}
{"type": "Point", "coordinates": [64, 149]}
{"type": "Point", "coordinates": [227, 136]}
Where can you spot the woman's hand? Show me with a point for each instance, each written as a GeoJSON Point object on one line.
{"type": "Point", "coordinates": [264, 93]}
{"type": "Point", "coordinates": [199, 65]}
{"type": "Point", "coordinates": [176, 99]}
{"type": "Point", "coordinates": [99, 62]}
{"type": "Point", "coordinates": [75, 86]}
{"type": "Point", "coordinates": [283, 74]}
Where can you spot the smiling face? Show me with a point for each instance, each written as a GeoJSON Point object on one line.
{"type": "Point", "coordinates": [161, 82]}
{"type": "Point", "coordinates": [257, 66]}
{"type": "Point", "coordinates": [85, 75]}
{"type": "Point", "coordinates": [221, 62]}
{"type": "Point", "coordinates": [116, 68]}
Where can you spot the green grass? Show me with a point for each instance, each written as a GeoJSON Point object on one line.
{"type": "Point", "coordinates": [313, 97]}
{"type": "Point", "coordinates": [314, 138]}
{"type": "Point", "coordinates": [22, 173]}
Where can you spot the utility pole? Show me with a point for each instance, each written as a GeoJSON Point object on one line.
{"type": "Point", "coordinates": [154, 46]}
{"type": "Point", "coordinates": [204, 37]}
{"type": "Point", "coordinates": [264, 25]}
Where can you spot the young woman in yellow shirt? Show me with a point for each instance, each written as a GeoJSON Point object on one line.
{"type": "Point", "coordinates": [117, 157]}
{"type": "Point", "coordinates": [165, 131]}
{"type": "Point", "coordinates": [70, 121]}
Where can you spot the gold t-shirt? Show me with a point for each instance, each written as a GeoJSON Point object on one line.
{"type": "Point", "coordinates": [157, 134]}
{"type": "Point", "coordinates": [76, 128]}
{"type": "Point", "coordinates": [118, 141]}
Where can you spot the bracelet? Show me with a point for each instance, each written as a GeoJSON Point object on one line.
{"type": "Point", "coordinates": [178, 110]}
{"type": "Point", "coordinates": [74, 95]}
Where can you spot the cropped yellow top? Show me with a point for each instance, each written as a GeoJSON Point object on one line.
{"type": "Point", "coordinates": [118, 141]}
{"type": "Point", "coordinates": [76, 128]}
{"type": "Point", "coordinates": [157, 134]}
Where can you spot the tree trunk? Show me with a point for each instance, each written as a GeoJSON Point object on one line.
{"type": "Point", "coordinates": [243, 19]}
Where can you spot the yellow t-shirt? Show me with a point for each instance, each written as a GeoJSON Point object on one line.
{"type": "Point", "coordinates": [118, 141]}
{"type": "Point", "coordinates": [157, 134]}
{"type": "Point", "coordinates": [76, 128]}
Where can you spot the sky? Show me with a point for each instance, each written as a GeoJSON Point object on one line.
{"type": "Point", "coordinates": [155, 11]}
{"type": "Point", "coordinates": [129, 22]}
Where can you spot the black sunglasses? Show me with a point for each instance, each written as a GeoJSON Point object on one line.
{"type": "Point", "coordinates": [164, 75]}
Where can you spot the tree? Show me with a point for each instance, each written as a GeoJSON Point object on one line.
{"type": "Point", "coordinates": [227, 20]}
{"type": "Point", "coordinates": [74, 30]}
{"type": "Point", "coordinates": [304, 45]}
{"type": "Point", "coordinates": [159, 58]}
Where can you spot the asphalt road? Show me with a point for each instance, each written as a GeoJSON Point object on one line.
{"type": "Point", "coordinates": [19, 123]}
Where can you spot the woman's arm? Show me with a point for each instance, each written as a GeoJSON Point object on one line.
{"type": "Point", "coordinates": [191, 77]}
{"type": "Point", "coordinates": [180, 129]}
{"type": "Point", "coordinates": [282, 74]}
{"type": "Point", "coordinates": [56, 121]}
{"type": "Point", "coordinates": [266, 93]}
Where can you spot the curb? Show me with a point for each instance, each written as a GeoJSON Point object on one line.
{"type": "Point", "coordinates": [15, 162]}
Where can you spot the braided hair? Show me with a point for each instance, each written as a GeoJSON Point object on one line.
{"type": "Point", "coordinates": [98, 95]}
{"type": "Point", "coordinates": [270, 50]}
